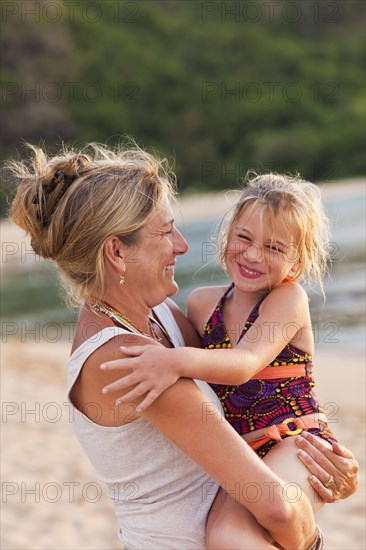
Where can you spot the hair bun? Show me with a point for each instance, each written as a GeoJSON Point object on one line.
{"type": "Point", "coordinates": [72, 164]}
{"type": "Point", "coordinates": [60, 182]}
{"type": "Point", "coordinates": [43, 182]}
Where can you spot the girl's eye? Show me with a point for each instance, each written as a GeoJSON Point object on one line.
{"type": "Point", "coordinates": [274, 248]}
{"type": "Point", "coordinates": [244, 237]}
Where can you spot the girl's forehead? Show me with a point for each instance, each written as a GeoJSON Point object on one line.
{"type": "Point", "coordinates": [257, 216]}
{"type": "Point", "coordinates": [253, 208]}
{"type": "Point", "coordinates": [255, 213]}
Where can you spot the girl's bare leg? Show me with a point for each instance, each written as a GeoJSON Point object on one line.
{"type": "Point", "coordinates": [283, 460]}
{"type": "Point", "coordinates": [229, 525]}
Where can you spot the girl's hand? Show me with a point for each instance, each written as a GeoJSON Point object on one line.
{"type": "Point", "coordinates": [335, 471]}
{"type": "Point", "coordinates": [154, 369]}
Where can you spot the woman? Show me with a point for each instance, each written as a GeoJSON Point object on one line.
{"type": "Point", "coordinates": [105, 219]}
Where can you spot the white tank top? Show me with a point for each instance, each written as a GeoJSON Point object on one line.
{"type": "Point", "coordinates": [161, 496]}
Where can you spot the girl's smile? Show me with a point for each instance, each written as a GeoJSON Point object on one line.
{"type": "Point", "coordinates": [248, 272]}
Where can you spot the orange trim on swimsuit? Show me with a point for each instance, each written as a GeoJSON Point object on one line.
{"type": "Point", "coordinates": [286, 371]}
{"type": "Point", "coordinates": [276, 431]}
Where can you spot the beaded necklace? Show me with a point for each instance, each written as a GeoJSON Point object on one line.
{"type": "Point", "coordinates": [124, 322]}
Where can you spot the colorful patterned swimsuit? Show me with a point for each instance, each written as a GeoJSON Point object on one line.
{"type": "Point", "coordinates": [261, 403]}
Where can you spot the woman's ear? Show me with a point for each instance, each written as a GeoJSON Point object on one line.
{"type": "Point", "coordinates": [114, 253]}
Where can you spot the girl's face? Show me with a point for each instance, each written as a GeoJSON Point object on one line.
{"type": "Point", "coordinates": [260, 256]}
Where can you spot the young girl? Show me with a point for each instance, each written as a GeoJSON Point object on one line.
{"type": "Point", "coordinates": [257, 332]}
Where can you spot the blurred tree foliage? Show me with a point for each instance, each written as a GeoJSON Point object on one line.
{"type": "Point", "coordinates": [221, 86]}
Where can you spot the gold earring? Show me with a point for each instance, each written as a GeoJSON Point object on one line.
{"type": "Point", "coordinates": [122, 279]}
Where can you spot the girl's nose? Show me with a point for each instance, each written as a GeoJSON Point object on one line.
{"type": "Point", "coordinates": [253, 253]}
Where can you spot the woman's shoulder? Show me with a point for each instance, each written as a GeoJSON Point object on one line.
{"type": "Point", "coordinates": [188, 331]}
{"type": "Point", "coordinates": [91, 379]}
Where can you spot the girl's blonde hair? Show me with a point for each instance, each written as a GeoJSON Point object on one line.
{"type": "Point", "coordinates": [72, 202]}
{"type": "Point", "coordinates": [298, 204]}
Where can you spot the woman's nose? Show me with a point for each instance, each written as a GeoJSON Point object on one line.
{"type": "Point", "coordinates": [180, 244]}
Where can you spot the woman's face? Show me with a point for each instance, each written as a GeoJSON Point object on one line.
{"type": "Point", "coordinates": [150, 263]}
{"type": "Point", "coordinates": [258, 258]}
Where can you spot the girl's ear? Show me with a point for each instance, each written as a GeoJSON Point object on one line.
{"type": "Point", "coordinates": [114, 253]}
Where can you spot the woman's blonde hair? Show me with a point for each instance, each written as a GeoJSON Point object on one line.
{"type": "Point", "coordinates": [72, 202]}
{"type": "Point", "coordinates": [298, 204]}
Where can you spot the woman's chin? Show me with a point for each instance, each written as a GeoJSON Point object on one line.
{"type": "Point", "coordinates": [170, 289]}
{"type": "Point", "coordinates": [173, 288]}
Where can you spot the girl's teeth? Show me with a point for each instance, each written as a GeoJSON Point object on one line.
{"type": "Point", "coordinates": [251, 272]}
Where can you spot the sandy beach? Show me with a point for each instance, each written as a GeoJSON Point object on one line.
{"type": "Point", "coordinates": [50, 498]}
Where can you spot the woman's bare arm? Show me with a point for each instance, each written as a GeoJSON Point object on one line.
{"type": "Point", "coordinates": [183, 414]}
{"type": "Point", "coordinates": [203, 435]}
{"type": "Point", "coordinates": [340, 463]}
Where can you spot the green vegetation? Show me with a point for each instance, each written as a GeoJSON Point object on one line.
{"type": "Point", "coordinates": [221, 87]}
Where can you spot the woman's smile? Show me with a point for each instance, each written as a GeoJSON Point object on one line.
{"type": "Point", "coordinates": [170, 268]}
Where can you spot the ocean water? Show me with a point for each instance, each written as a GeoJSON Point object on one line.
{"type": "Point", "coordinates": [343, 310]}
{"type": "Point", "coordinates": [32, 295]}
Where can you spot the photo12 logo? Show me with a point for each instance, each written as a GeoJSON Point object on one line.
{"type": "Point", "coordinates": [68, 92]}
{"type": "Point", "coordinates": [270, 11]}
{"type": "Point", "coordinates": [54, 11]}
{"type": "Point", "coordinates": [226, 92]}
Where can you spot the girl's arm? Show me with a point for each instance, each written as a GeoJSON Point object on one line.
{"type": "Point", "coordinates": [284, 313]}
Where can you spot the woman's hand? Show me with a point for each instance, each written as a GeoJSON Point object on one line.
{"type": "Point", "coordinates": [335, 471]}
{"type": "Point", "coordinates": [154, 369]}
